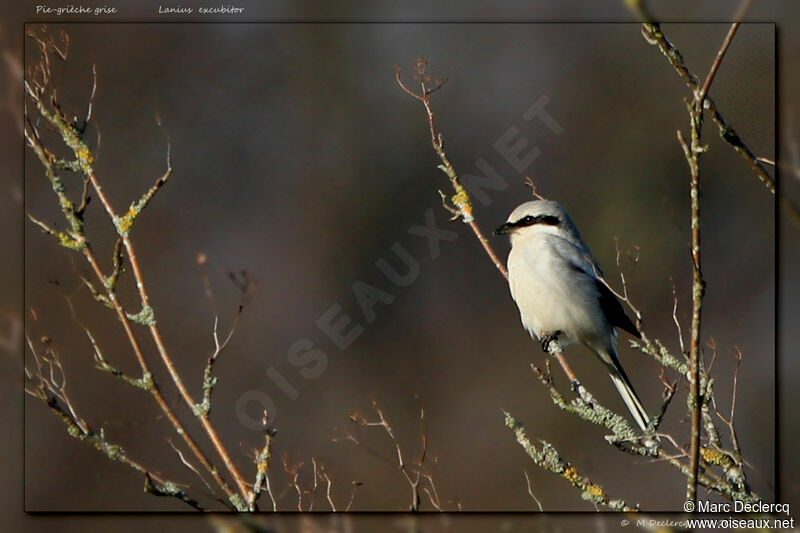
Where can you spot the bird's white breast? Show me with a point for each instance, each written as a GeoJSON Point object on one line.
{"type": "Point", "coordinates": [552, 291]}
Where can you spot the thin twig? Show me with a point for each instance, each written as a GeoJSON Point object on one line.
{"type": "Point", "coordinates": [433, 494]}
{"type": "Point", "coordinates": [675, 317]}
{"type": "Point", "coordinates": [653, 35]}
{"type": "Point", "coordinates": [692, 156]}
{"type": "Point", "coordinates": [262, 458]}
{"type": "Point", "coordinates": [43, 96]}
{"type": "Point", "coordinates": [293, 470]}
{"type": "Point", "coordinates": [692, 151]}
{"type": "Point", "coordinates": [462, 203]}
{"type": "Point", "coordinates": [717, 62]}
{"type": "Point", "coordinates": [355, 485]}
{"type": "Point", "coordinates": [530, 491]}
{"type": "Point", "coordinates": [43, 384]}
{"type": "Point", "coordinates": [124, 225]}
{"type": "Point", "coordinates": [315, 477]}
{"type": "Point", "coordinates": [548, 458]}
{"type": "Point", "coordinates": [412, 476]}
{"type": "Point", "coordinates": [328, 489]}
{"type": "Point", "coordinates": [586, 407]}
{"type": "Point", "coordinates": [739, 357]}
{"type": "Point", "coordinates": [189, 465]}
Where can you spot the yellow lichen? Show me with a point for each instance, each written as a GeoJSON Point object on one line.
{"type": "Point", "coordinates": [571, 473]}
{"type": "Point", "coordinates": [461, 199]}
{"type": "Point", "coordinates": [84, 155]}
{"type": "Point", "coordinates": [712, 456]}
{"type": "Point", "coordinates": [596, 491]}
{"type": "Point", "coordinates": [463, 203]}
{"type": "Point", "coordinates": [68, 241]}
{"type": "Point", "coordinates": [125, 222]}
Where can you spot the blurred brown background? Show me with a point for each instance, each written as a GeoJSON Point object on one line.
{"type": "Point", "coordinates": [298, 159]}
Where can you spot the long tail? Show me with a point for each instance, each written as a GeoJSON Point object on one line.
{"type": "Point", "coordinates": [625, 388]}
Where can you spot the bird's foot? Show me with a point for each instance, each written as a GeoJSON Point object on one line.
{"type": "Point", "coordinates": [651, 444]}
{"type": "Point", "coordinates": [548, 339]}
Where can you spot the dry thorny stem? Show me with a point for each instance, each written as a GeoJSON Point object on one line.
{"type": "Point", "coordinates": [732, 484]}
{"type": "Point", "coordinates": [414, 474]}
{"type": "Point", "coordinates": [43, 111]}
{"type": "Point", "coordinates": [45, 380]}
{"type": "Point", "coordinates": [319, 474]}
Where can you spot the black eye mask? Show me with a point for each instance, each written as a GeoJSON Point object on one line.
{"type": "Point", "coordinates": [529, 220]}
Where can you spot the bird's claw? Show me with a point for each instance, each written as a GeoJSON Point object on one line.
{"type": "Point", "coordinates": [548, 338]}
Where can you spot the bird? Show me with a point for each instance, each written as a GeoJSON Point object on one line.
{"type": "Point", "coordinates": [557, 286]}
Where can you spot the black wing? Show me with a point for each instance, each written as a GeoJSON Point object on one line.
{"type": "Point", "coordinates": [580, 259]}
{"type": "Point", "coordinates": [614, 311]}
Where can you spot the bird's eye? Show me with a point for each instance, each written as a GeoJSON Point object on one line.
{"type": "Point", "coordinates": [528, 220]}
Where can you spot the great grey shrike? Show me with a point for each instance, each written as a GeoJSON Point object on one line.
{"type": "Point", "coordinates": [554, 280]}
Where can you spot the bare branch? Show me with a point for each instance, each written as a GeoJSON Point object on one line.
{"type": "Point", "coordinates": [530, 491]}
{"type": "Point", "coordinates": [189, 465]}
{"type": "Point", "coordinates": [693, 150]}
{"type": "Point", "coordinates": [47, 382]}
{"type": "Point", "coordinates": [587, 408]}
{"type": "Point", "coordinates": [41, 93]}
{"type": "Point", "coordinates": [461, 199]}
{"type": "Point", "coordinates": [328, 489]}
{"type": "Point", "coordinates": [262, 460]}
{"type": "Point", "coordinates": [548, 458]}
{"type": "Point", "coordinates": [653, 35]}
{"type": "Point", "coordinates": [675, 319]}
{"type": "Point", "coordinates": [529, 183]}
{"type": "Point", "coordinates": [293, 470]}
{"type": "Point", "coordinates": [414, 474]}
{"type": "Point", "coordinates": [717, 62]}
{"type": "Point", "coordinates": [355, 485]}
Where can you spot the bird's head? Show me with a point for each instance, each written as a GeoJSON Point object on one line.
{"type": "Point", "coordinates": [537, 217]}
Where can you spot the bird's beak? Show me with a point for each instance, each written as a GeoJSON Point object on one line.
{"type": "Point", "coordinates": [504, 229]}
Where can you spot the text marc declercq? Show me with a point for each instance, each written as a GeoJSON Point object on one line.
{"type": "Point", "coordinates": [742, 507]}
